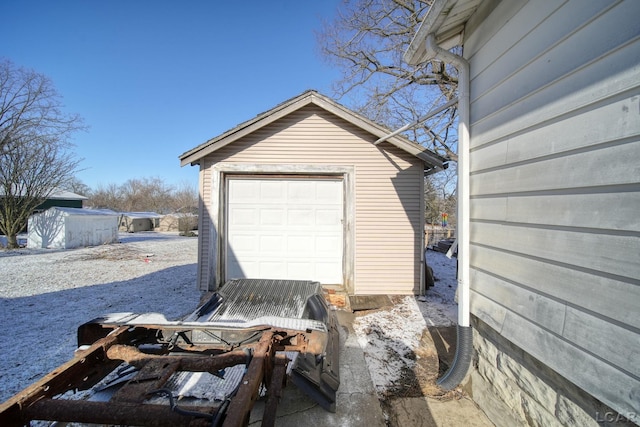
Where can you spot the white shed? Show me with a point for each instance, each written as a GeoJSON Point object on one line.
{"type": "Point", "coordinates": [65, 228]}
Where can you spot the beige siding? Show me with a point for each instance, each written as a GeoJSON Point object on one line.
{"type": "Point", "coordinates": [555, 187]}
{"type": "Point", "coordinates": [388, 214]}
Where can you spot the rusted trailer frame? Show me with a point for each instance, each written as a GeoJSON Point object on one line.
{"type": "Point", "coordinates": [128, 407]}
{"type": "Point", "coordinates": [251, 323]}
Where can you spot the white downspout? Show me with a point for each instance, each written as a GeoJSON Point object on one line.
{"type": "Point", "coordinates": [464, 349]}
{"type": "Point", "coordinates": [463, 173]}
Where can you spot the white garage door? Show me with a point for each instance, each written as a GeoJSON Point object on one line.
{"type": "Point", "coordinates": [285, 228]}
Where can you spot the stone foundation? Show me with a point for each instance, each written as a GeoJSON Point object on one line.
{"type": "Point", "coordinates": [514, 389]}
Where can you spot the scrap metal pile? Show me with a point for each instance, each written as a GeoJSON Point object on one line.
{"type": "Point", "coordinates": [206, 370]}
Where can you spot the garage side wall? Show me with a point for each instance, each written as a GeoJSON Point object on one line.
{"type": "Point", "coordinates": [555, 196]}
{"type": "Point", "coordinates": [387, 188]}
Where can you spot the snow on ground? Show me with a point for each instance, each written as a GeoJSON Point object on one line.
{"type": "Point", "coordinates": [46, 294]}
{"type": "Point", "coordinates": [390, 338]}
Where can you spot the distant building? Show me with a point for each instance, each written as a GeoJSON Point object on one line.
{"type": "Point", "coordinates": [133, 222]}
{"type": "Point", "coordinates": [178, 222]}
{"type": "Point", "coordinates": [66, 228]}
{"type": "Point", "coordinates": [63, 199]}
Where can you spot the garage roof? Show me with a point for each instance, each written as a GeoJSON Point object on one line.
{"type": "Point", "coordinates": [193, 156]}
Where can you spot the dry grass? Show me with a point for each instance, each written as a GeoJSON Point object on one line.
{"type": "Point", "coordinates": [112, 252]}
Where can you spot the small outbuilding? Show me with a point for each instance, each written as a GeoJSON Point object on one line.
{"type": "Point", "coordinates": [312, 190]}
{"type": "Point", "coordinates": [63, 199]}
{"type": "Point", "coordinates": [66, 228]}
{"type": "Point", "coordinates": [182, 222]}
{"type": "Point", "coordinates": [134, 222]}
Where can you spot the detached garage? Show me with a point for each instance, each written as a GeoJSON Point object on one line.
{"type": "Point", "coordinates": [313, 191]}
{"type": "Point", "coordinates": [66, 228]}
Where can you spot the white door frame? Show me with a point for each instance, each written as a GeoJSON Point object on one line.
{"type": "Point", "coordinates": [217, 213]}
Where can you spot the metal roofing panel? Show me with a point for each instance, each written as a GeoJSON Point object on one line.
{"type": "Point", "coordinates": [248, 299]}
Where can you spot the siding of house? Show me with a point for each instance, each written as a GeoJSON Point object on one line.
{"type": "Point", "coordinates": [388, 189]}
{"type": "Point", "coordinates": [555, 188]}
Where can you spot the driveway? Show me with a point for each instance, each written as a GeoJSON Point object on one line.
{"type": "Point", "coordinates": [358, 403]}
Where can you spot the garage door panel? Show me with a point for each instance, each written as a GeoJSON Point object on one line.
{"type": "Point", "coordinates": [272, 216]}
{"type": "Point", "coordinates": [298, 246]}
{"type": "Point", "coordinates": [271, 269]}
{"type": "Point", "coordinates": [243, 191]}
{"type": "Point", "coordinates": [241, 270]}
{"type": "Point", "coordinates": [243, 216]}
{"type": "Point", "coordinates": [285, 229]}
{"type": "Point", "coordinates": [326, 271]}
{"type": "Point", "coordinates": [325, 245]}
{"type": "Point", "coordinates": [243, 244]}
{"type": "Point", "coordinates": [329, 217]}
{"type": "Point", "coordinates": [271, 192]}
{"type": "Point", "coordinates": [273, 244]}
{"type": "Point", "coordinates": [301, 192]}
{"type": "Point", "coordinates": [300, 217]}
{"type": "Point", "coordinates": [299, 270]}
{"type": "Point", "coordinates": [328, 192]}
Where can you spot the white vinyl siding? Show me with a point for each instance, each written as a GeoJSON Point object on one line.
{"type": "Point", "coordinates": [387, 189]}
{"type": "Point", "coordinates": [555, 187]}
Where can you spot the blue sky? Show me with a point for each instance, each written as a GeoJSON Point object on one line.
{"type": "Point", "coordinates": [153, 79]}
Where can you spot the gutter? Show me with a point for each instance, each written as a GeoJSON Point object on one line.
{"type": "Point", "coordinates": [420, 120]}
{"type": "Point", "coordinates": [464, 349]}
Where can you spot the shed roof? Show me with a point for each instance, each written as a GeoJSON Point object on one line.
{"type": "Point", "coordinates": [57, 194]}
{"type": "Point", "coordinates": [66, 195]}
{"type": "Point", "coordinates": [137, 215]}
{"type": "Point", "coordinates": [446, 19]}
{"type": "Point", "coordinates": [193, 156]}
{"type": "Point", "coordinates": [84, 212]}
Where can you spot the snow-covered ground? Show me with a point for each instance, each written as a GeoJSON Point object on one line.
{"type": "Point", "coordinates": [390, 338]}
{"type": "Point", "coordinates": [46, 294]}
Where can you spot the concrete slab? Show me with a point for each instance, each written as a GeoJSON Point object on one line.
{"type": "Point", "coordinates": [369, 302]}
{"type": "Point", "coordinates": [427, 412]}
{"type": "Point", "coordinates": [357, 402]}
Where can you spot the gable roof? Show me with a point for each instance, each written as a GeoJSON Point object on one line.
{"type": "Point", "coordinates": [57, 194]}
{"type": "Point", "coordinates": [431, 160]}
{"type": "Point", "coordinates": [141, 215]}
{"type": "Point", "coordinates": [66, 195]}
{"type": "Point", "coordinates": [81, 211]}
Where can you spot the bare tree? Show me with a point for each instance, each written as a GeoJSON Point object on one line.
{"type": "Point", "coordinates": [35, 155]}
{"type": "Point", "coordinates": [31, 109]}
{"type": "Point", "coordinates": [185, 198]}
{"type": "Point", "coordinates": [106, 197]}
{"type": "Point", "coordinates": [145, 195]}
{"type": "Point", "coordinates": [366, 42]}
{"type": "Point", "coordinates": [75, 185]}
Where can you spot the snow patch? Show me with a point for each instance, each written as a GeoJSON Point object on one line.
{"type": "Point", "coordinates": [390, 338]}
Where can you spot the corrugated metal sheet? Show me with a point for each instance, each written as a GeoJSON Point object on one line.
{"type": "Point", "coordinates": [248, 299]}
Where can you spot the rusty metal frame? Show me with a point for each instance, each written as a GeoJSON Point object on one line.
{"type": "Point", "coordinates": [266, 364]}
